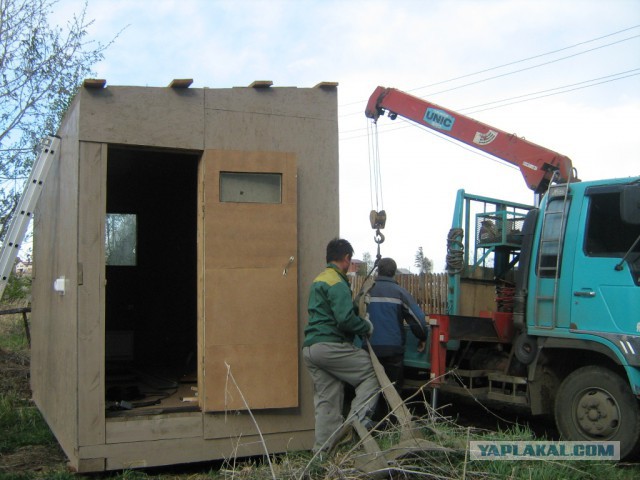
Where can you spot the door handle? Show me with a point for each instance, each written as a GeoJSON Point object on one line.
{"type": "Point", "coordinates": [286, 267]}
{"type": "Point", "coordinates": [584, 293]}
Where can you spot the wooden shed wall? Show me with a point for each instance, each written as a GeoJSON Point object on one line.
{"type": "Point", "coordinates": [149, 116]}
{"type": "Point", "coordinates": [54, 348]}
{"type": "Point", "coordinates": [68, 331]}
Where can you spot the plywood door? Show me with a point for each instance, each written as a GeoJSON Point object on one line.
{"type": "Point", "coordinates": [249, 283]}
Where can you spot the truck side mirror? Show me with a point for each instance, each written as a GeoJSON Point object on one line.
{"type": "Point", "coordinates": [630, 204]}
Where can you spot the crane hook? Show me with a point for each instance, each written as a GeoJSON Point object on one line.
{"type": "Point", "coordinates": [378, 221]}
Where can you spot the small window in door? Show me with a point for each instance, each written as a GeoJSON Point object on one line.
{"type": "Point", "coordinates": [121, 237]}
{"type": "Point", "coordinates": [250, 187]}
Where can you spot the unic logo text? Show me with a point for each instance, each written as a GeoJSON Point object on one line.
{"type": "Point", "coordinates": [439, 119]}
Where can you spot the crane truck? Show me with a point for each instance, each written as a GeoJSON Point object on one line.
{"type": "Point", "coordinates": [543, 308]}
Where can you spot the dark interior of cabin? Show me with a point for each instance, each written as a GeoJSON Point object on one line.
{"type": "Point", "coordinates": [151, 275]}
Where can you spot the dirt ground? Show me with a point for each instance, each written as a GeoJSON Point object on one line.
{"type": "Point", "coordinates": [14, 380]}
{"type": "Point", "coordinates": [33, 459]}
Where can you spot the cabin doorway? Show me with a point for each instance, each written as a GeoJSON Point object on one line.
{"type": "Point", "coordinates": [151, 280]}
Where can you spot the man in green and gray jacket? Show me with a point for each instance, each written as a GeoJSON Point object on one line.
{"type": "Point", "coordinates": [328, 350]}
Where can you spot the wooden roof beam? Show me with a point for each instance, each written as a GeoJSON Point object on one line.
{"type": "Point", "coordinates": [94, 83]}
{"type": "Point", "coordinates": [181, 82]}
{"type": "Point", "coordinates": [327, 85]}
{"type": "Point", "coordinates": [261, 84]}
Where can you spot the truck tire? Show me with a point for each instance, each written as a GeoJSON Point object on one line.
{"type": "Point", "coordinates": [595, 404]}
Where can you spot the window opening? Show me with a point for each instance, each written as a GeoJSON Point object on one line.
{"type": "Point", "coordinates": [121, 239]}
{"type": "Point", "coordinates": [250, 187]}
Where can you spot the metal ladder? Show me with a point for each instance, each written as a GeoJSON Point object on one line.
{"type": "Point", "coordinates": [49, 151]}
{"type": "Point", "coordinates": [559, 241]}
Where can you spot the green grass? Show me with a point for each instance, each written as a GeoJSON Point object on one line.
{"type": "Point", "coordinates": [17, 289]}
{"type": "Point", "coordinates": [21, 424]}
{"type": "Point", "coordinates": [12, 335]}
{"type": "Point", "coordinates": [12, 330]}
{"type": "Point", "coordinates": [457, 465]}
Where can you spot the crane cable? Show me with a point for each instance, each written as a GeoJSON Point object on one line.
{"type": "Point", "coordinates": [375, 179]}
{"type": "Point", "coordinates": [377, 216]}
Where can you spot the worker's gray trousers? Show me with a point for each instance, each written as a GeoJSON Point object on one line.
{"type": "Point", "coordinates": [331, 364]}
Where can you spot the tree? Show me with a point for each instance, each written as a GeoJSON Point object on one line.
{"type": "Point", "coordinates": [41, 69]}
{"type": "Point", "coordinates": [423, 264]}
{"type": "Point", "coordinates": [368, 263]}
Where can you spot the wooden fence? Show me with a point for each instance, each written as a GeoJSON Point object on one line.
{"type": "Point", "coordinates": [430, 290]}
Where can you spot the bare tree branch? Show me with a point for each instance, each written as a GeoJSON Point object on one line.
{"type": "Point", "coordinates": [41, 68]}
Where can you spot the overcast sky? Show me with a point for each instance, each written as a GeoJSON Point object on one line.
{"type": "Point", "coordinates": [562, 73]}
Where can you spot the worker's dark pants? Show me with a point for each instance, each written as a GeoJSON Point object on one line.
{"type": "Point", "coordinates": [394, 368]}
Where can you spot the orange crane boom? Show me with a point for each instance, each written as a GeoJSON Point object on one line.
{"type": "Point", "coordinates": [536, 163]}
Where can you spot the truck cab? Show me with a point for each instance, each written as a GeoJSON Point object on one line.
{"type": "Point", "coordinates": [582, 304]}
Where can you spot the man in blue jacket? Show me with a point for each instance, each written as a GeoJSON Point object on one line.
{"type": "Point", "coordinates": [328, 350]}
{"type": "Point", "coordinates": [390, 306]}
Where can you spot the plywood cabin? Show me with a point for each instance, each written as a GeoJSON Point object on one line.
{"type": "Point", "coordinates": [174, 244]}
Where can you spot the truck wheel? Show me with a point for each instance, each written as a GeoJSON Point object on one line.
{"type": "Point", "coordinates": [595, 404]}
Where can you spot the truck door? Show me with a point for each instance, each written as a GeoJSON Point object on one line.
{"type": "Point", "coordinates": [605, 299]}
{"type": "Point", "coordinates": [248, 306]}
